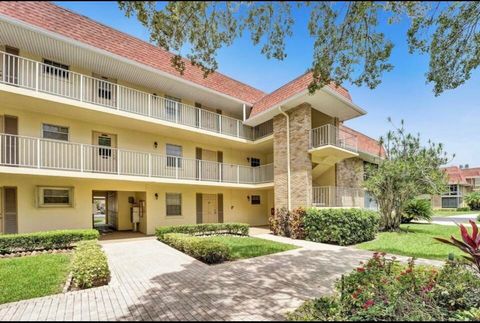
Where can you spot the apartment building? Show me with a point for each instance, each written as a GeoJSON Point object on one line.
{"type": "Point", "coordinates": [461, 181]}
{"type": "Point", "coordinates": [99, 130]}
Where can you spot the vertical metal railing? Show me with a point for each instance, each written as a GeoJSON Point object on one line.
{"type": "Point", "coordinates": [334, 196]}
{"type": "Point", "coordinates": [37, 76]}
{"type": "Point", "coordinates": [331, 135]}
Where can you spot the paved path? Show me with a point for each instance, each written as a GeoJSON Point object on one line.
{"type": "Point", "coordinates": [452, 220]}
{"type": "Point", "coordinates": [151, 281]}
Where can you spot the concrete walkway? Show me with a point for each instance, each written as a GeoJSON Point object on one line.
{"type": "Point", "coordinates": [452, 219]}
{"type": "Point", "coordinates": [151, 281]}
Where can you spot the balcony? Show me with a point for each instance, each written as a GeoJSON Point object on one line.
{"type": "Point", "coordinates": [330, 145]}
{"type": "Point", "coordinates": [334, 196]}
{"type": "Point", "coordinates": [40, 77]}
{"type": "Point", "coordinates": [29, 152]}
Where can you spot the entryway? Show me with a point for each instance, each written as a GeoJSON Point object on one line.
{"type": "Point", "coordinates": [8, 210]}
{"type": "Point", "coordinates": [209, 208]}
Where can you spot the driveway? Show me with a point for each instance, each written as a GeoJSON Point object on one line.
{"type": "Point", "coordinates": [151, 281]}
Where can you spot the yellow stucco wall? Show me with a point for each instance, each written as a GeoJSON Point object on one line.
{"type": "Point", "coordinates": [237, 207]}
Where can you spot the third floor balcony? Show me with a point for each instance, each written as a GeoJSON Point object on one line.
{"type": "Point", "coordinates": [46, 78]}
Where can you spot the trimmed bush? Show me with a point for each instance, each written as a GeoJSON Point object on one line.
{"type": "Point", "coordinates": [201, 248]}
{"type": "Point", "coordinates": [205, 229]}
{"type": "Point", "coordinates": [463, 209]}
{"type": "Point", "coordinates": [89, 265]}
{"type": "Point", "coordinates": [340, 226]}
{"type": "Point", "coordinates": [46, 240]}
{"type": "Point", "coordinates": [288, 224]}
{"type": "Point", "coordinates": [417, 209]}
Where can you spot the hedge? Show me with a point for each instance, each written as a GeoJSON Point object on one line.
{"type": "Point", "coordinates": [205, 229]}
{"type": "Point", "coordinates": [59, 239]}
{"type": "Point", "coordinates": [89, 265]}
{"type": "Point", "coordinates": [340, 226]}
{"type": "Point", "coordinates": [201, 248]}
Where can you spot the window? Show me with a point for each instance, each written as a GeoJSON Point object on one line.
{"type": "Point", "coordinates": [51, 131]}
{"type": "Point", "coordinates": [55, 196]}
{"type": "Point", "coordinates": [174, 151]}
{"type": "Point", "coordinates": [105, 140]}
{"type": "Point", "coordinates": [254, 162]}
{"type": "Point", "coordinates": [56, 69]}
{"type": "Point", "coordinates": [105, 88]}
{"type": "Point", "coordinates": [174, 204]}
{"type": "Point", "coordinates": [255, 199]}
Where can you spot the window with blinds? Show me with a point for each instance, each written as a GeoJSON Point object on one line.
{"type": "Point", "coordinates": [55, 196]}
{"type": "Point", "coordinates": [51, 131]}
{"type": "Point", "coordinates": [174, 204]}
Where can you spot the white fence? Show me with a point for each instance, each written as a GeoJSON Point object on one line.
{"type": "Point", "coordinates": [40, 77]}
{"type": "Point", "coordinates": [333, 196]}
{"type": "Point", "coordinates": [331, 135]}
{"type": "Point", "coordinates": [42, 153]}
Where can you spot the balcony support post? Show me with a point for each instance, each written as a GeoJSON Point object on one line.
{"type": "Point", "coordinates": [82, 152]}
{"type": "Point", "coordinates": [37, 76]}
{"type": "Point", "coordinates": [38, 153]}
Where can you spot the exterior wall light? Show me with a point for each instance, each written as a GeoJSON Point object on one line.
{"type": "Point", "coordinates": [156, 196]}
{"type": "Point", "coordinates": [155, 145]}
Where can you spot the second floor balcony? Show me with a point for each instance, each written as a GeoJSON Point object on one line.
{"type": "Point", "coordinates": [30, 152]}
{"type": "Point", "coordinates": [330, 145]}
{"type": "Point", "coordinates": [45, 78]}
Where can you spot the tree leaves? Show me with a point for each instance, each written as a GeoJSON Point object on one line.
{"type": "Point", "coordinates": [347, 42]}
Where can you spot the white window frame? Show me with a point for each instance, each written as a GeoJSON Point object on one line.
{"type": "Point", "coordinates": [40, 197]}
{"type": "Point", "coordinates": [166, 204]}
{"type": "Point", "coordinates": [55, 125]}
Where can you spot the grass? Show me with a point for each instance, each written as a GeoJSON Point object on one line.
{"type": "Point", "coordinates": [416, 240]}
{"type": "Point", "coordinates": [452, 212]}
{"type": "Point", "coordinates": [249, 247]}
{"type": "Point", "coordinates": [32, 276]}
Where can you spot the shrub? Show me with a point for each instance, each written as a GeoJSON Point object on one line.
{"type": "Point", "coordinates": [473, 200]}
{"type": "Point", "coordinates": [201, 248]}
{"type": "Point", "coordinates": [288, 224]}
{"type": "Point", "coordinates": [383, 290]}
{"type": "Point", "coordinates": [89, 265]}
{"type": "Point", "coordinates": [463, 209]}
{"type": "Point", "coordinates": [340, 226]}
{"type": "Point", "coordinates": [417, 209]}
{"type": "Point", "coordinates": [205, 229]}
{"type": "Point", "coordinates": [46, 240]}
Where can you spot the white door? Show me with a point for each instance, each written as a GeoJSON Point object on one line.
{"type": "Point", "coordinates": [210, 171]}
{"type": "Point", "coordinates": [209, 208]}
{"type": "Point", "coordinates": [10, 219]}
{"type": "Point", "coordinates": [104, 152]}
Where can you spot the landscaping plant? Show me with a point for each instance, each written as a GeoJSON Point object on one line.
{"type": "Point", "coordinates": [241, 229]}
{"type": "Point", "coordinates": [340, 226]}
{"type": "Point", "coordinates": [288, 223]}
{"type": "Point", "coordinates": [473, 200]}
{"type": "Point", "coordinates": [89, 265]}
{"type": "Point", "coordinates": [384, 290]}
{"type": "Point", "coordinates": [408, 170]}
{"type": "Point", "coordinates": [470, 243]}
{"type": "Point", "coordinates": [417, 209]}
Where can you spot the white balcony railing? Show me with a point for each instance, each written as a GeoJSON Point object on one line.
{"type": "Point", "coordinates": [20, 151]}
{"type": "Point", "coordinates": [40, 77]}
{"type": "Point", "coordinates": [334, 196]}
{"type": "Point", "coordinates": [330, 135]}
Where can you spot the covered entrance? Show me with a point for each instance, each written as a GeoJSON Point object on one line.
{"type": "Point", "coordinates": [209, 208]}
{"type": "Point", "coordinates": [119, 211]}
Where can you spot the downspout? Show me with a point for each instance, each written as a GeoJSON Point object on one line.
{"type": "Point", "coordinates": [288, 159]}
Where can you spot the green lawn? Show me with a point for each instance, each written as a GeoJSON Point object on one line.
{"type": "Point", "coordinates": [249, 247]}
{"type": "Point", "coordinates": [32, 276]}
{"type": "Point", "coordinates": [452, 212]}
{"type": "Point", "coordinates": [415, 240]}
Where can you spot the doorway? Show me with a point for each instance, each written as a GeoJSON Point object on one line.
{"type": "Point", "coordinates": [10, 140]}
{"type": "Point", "coordinates": [104, 211]}
{"type": "Point", "coordinates": [11, 65]}
{"type": "Point", "coordinates": [104, 153]}
{"type": "Point", "coordinates": [9, 214]}
{"type": "Point", "coordinates": [209, 208]}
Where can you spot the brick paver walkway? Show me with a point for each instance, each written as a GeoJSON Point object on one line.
{"type": "Point", "coordinates": [151, 281]}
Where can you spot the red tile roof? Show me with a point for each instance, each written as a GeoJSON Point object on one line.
{"type": "Point", "coordinates": [288, 90]}
{"type": "Point", "coordinates": [56, 19]}
{"type": "Point", "coordinates": [457, 175]}
{"type": "Point", "coordinates": [365, 143]}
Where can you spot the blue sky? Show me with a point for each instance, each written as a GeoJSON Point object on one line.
{"type": "Point", "coordinates": [453, 118]}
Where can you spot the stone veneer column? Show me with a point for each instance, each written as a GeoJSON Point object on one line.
{"type": "Point", "coordinates": [350, 172]}
{"type": "Point", "coordinates": [300, 162]}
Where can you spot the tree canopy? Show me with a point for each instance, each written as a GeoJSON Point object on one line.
{"type": "Point", "coordinates": [348, 42]}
